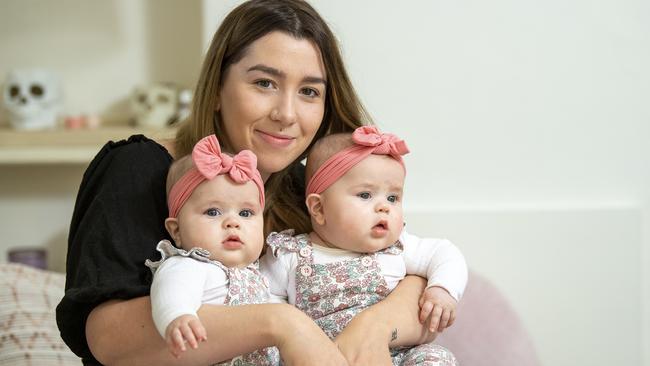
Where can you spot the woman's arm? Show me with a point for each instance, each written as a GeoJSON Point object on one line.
{"type": "Point", "coordinates": [391, 322]}
{"type": "Point", "coordinates": [123, 333]}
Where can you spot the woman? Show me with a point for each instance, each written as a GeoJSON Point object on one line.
{"type": "Point", "coordinates": [272, 81]}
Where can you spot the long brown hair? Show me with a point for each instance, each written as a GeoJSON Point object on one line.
{"type": "Point", "coordinates": [248, 22]}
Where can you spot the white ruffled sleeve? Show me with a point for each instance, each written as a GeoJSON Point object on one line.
{"type": "Point", "coordinates": [177, 289]}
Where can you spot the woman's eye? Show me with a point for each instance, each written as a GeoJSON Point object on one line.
{"type": "Point", "coordinates": [213, 212]}
{"type": "Point", "coordinates": [266, 84]}
{"type": "Point", "coordinates": [246, 213]}
{"type": "Point", "coordinates": [392, 198]}
{"type": "Point", "coordinates": [364, 195]}
{"type": "Point", "coordinates": [312, 93]}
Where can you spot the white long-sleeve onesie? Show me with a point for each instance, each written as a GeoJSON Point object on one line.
{"type": "Point", "coordinates": [181, 285]}
{"type": "Point", "coordinates": [438, 260]}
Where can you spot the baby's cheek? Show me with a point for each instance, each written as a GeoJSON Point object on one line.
{"type": "Point", "coordinates": [259, 238]}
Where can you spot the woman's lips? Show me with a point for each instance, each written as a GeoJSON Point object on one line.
{"type": "Point", "coordinates": [274, 139]}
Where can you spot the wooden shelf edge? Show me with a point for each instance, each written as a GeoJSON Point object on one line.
{"type": "Point", "coordinates": [64, 146]}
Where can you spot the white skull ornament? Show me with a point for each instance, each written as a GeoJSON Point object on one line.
{"type": "Point", "coordinates": [33, 98]}
{"type": "Point", "coordinates": [155, 105]}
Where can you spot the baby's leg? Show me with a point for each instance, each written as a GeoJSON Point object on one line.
{"type": "Point", "coordinates": [427, 354]}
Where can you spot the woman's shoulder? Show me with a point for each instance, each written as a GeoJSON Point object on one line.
{"type": "Point", "coordinates": [136, 155]}
{"type": "Point", "coordinates": [135, 146]}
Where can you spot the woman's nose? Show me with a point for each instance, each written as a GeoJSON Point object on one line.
{"type": "Point", "coordinates": [285, 110]}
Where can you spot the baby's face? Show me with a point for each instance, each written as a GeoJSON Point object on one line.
{"type": "Point", "coordinates": [224, 218]}
{"type": "Point", "coordinates": [363, 209]}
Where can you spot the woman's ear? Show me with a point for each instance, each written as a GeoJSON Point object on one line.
{"type": "Point", "coordinates": [171, 224]}
{"type": "Point", "coordinates": [314, 204]}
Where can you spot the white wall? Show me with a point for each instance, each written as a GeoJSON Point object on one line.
{"type": "Point", "coordinates": [645, 260]}
{"type": "Point", "coordinates": [36, 205]}
{"type": "Point", "coordinates": [528, 125]}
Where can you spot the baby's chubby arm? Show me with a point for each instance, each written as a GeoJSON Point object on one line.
{"type": "Point", "coordinates": [176, 294]}
{"type": "Point", "coordinates": [446, 271]}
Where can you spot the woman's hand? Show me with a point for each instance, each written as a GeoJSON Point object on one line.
{"type": "Point", "coordinates": [364, 341]}
{"type": "Point", "coordinates": [392, 322]}
{"type": "Point", "coordinates": [302, 342]}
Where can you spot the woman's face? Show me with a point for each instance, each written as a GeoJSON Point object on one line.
{"type": "Point", "coordinates": [272, 101]}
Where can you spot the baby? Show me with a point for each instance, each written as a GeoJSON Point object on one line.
{"type": "Point", "coordinates": [358, 252]}
{"type": "Point", "coordinates": [215, 218]}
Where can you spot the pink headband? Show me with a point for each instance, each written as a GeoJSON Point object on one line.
{"type": "Point", "coordinates": [368, 140]}
{"type": "Point", "coordinates": [209, 162]}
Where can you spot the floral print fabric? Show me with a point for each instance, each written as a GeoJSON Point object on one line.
{"type": "Point", "coordinates": [333, 293]}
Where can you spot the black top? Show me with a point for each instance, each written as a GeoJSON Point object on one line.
{"type": "Point", "coordinates": [117, 221]}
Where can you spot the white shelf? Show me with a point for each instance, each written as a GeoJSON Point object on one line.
{"type": "Point", "coordinates": [64, 146]}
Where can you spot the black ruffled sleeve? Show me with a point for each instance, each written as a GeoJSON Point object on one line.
{"type": "Point", "coordinates": [118, 219]}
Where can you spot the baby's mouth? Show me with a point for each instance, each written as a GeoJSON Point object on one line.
{"type": "Point", "coordinates": [383, 224]}
{"type": "Point", "coordinates": [232, 242]}
{"type": "Point", "coordinates": [380, 229]}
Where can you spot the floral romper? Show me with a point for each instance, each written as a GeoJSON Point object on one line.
{"type": "Point", "coordinates": [245, 286]}
{"type": "Point", "coordinates": [333, 293]}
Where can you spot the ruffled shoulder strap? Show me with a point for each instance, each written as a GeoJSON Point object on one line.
{"type": "Point", "coordinates": [168, 250]}
{"type": "Point", "coordinates": [285, 240]}
{"type": "Point", "coordinates": [394, 249]}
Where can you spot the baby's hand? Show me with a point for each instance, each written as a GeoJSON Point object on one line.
{"type": "Point", "coordinates": [438, 303]}
{"type": "Point", "coordinates": [185, 328]}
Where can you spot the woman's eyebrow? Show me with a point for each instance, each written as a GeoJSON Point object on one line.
{"type": "Point", "coordinates": [281, 74]}
{"type": "Point", "coordinates": [267, 69]}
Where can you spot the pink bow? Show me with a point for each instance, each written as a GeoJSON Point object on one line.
{"type": "Point", "coordinates": [383, 143]}
{"type": "Point", "coordinates": [211, 162]}
{"type": "Point", "coordinates": [367, 140]}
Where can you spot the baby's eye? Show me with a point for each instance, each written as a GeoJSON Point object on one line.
{"type": "Point", "coordinates": [364, 195]}
{"type": "Point", "coordinates": [212, 212]}
{"type": "Point", "coordinates": [393, 198]}
{"type": "Point", "coordinates": [246, 213]}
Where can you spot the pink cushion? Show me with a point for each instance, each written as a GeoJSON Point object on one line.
{"type": "Point", "coordinates": [487, 331]}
